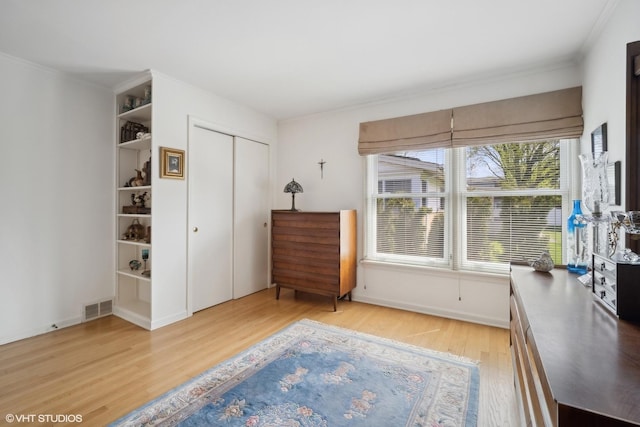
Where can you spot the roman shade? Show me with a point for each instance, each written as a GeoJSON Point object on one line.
{"type": "Point", "coordinates": [417, 132]}
{"type": "Point", "coordinates": [550, 115]}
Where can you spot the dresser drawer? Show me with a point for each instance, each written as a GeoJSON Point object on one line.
{"type": "Point", "coordinates": [309, 221]}
{"type": "Point", "coordinates": [305, 248]}
{"type": "Point", "coordinates": [328, 270]}
{"type": "Point", "coordinates": [606, 297]}
{"type": "Point", "coordinates": [606, 282]}
{"type": "Point", "coordinates": [604, 266]}
{"type": "Point", "coordinates": [307, 282]}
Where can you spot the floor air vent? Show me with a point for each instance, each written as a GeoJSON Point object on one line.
{"type": "Point", "coordinates": [98, 309]}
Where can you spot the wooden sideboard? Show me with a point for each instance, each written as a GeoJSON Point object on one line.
{"type": "Point", "coordinates": [575, 363]}
{"type": "Point", "coordinates": [314, 252]}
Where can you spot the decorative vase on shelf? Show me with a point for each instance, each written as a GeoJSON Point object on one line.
{"type": "Point", "coordinates": [595, 182]}
{"type": "Point", "coordinates": [577, 248]}
{"type": "Point", "coordinates": [595, 194]}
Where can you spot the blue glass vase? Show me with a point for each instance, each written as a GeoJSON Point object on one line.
{"type": "Point", "coordinates": [577, 249]}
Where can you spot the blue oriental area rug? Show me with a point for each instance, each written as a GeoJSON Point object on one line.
{"type": "Point", "coordinates": [311, 374]}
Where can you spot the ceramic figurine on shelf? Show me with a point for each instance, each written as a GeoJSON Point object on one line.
{"type": "Point", "coordinates": [140, 199]}
{"type": "Point", "coordinates": [135, 231]}
{"type": "Point", "coordinates": [135, 265]}
{"type": "Point", "coordinates": [543, 263]}
{"type": "Point", "coordinates": [138, 180]}
{"type": "Point", "coordinates": [147, 172]}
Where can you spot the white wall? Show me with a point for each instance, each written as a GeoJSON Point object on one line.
{"type": "Point", "coordinates": [333, 137]}
{"type": "Point", "coordinates": [56, 187]}
{"type": "Point", "coordinates": [604, 91]}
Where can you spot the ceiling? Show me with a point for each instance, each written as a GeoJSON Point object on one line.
{"type": "Point", "coordinates": [289, 58]}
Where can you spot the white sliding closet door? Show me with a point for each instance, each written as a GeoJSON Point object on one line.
{"type": "Point", "coordinates": [210, 247]}
{"type": "Point", "coordinates": [251, 225]}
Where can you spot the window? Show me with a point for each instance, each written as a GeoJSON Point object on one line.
{"type": "Point", "coordinates": [471, 208]}
{"type": "Point", "coordinates": [406, 221]}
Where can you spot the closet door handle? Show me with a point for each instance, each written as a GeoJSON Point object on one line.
{"type": "Point", "coordinates": [195, 229]}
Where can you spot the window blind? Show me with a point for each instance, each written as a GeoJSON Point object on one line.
{"type": "Point", "coordinates": [544, 116]}
{"type": "Point", "coordinates": [550, 115]}
{"type": "Point", "coordinates": [420, 131]}
{"type": "Point", "coordinates": [515, 201]}
{"type": "Point", "coordinates": [500, 229]}
{"type": "Point", "coordinates": [409, 206]}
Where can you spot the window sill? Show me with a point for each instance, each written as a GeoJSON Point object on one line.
{"type": "Point", "coordinates": [436, 271]}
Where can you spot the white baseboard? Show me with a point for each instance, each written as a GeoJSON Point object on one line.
{"type": "Point", "coordinates": [60, 324]}
{"type": "Point", "coordinates": [437, 311]}
{"type": "Point", "coordinates": [169, 320]}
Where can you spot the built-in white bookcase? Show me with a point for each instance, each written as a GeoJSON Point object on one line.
{"type": "Point", "coordinates": [134, 133]}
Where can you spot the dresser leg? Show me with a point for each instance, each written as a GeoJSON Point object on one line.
{"type": "Point", "coordinates": [277, 291]}
{"type": "Point", "coordinates": [335, 303]}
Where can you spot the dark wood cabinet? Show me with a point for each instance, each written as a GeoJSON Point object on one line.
{"type": "Point", "coordinates": [574, 362]}
{"type": "Point", "coordinates": [314, 252]}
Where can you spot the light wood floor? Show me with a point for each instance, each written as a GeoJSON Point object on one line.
{"type": "Point", "coordinates": [106, 368]}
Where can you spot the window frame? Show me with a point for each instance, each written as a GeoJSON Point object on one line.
{"type": "Point", "coordinates": [455, 197]}
{"type": "Point", "coordinates": [371, 198]}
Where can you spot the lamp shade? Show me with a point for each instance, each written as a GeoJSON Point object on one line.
{"type": "Point", "coordinates": [293, 187]}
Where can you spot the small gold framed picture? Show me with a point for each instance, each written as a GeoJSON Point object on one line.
{"type": "Point", "coordinates": [171, 163]}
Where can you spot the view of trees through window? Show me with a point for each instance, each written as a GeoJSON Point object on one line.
{"type": "Point", "coordinates": [511, 201]}
{"type": "Point", "coordinates": [517, 226]}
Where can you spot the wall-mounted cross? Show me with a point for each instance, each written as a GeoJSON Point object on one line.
{"type": "Point", "coordinates": [321, 163]}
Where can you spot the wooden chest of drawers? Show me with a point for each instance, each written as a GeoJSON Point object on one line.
{"type": "Point", "coordinates": [314, 252]}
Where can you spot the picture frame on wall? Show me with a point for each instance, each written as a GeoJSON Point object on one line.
{"type": "Point", "coordinates": [171, 163]}
{"type": "Point", "coordinates": [599, 139]}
